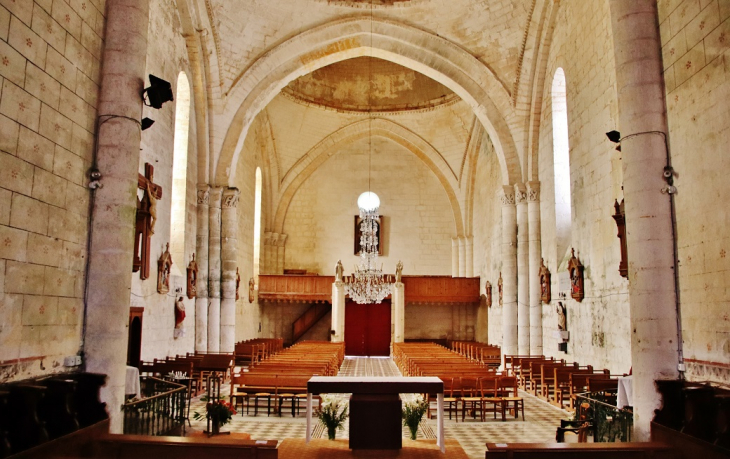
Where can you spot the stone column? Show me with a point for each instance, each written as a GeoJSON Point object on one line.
{"type": "Point", "coordinates": [469, 257]}
{"type": "Point", "coordinates": [650, 236]}
{"type": "Point", "coordinates": [201, 256]}
{"type": "Point", "coordinates": [462, 257]}
{"type": "Point", "coordinates": [509, 272]}
{"type": "Point", "coordinates": [112, 226]}
{"type": "Point", "coordinates": [229, 261]}
{"type": "Point", "coordinates": [454, 257]}
{"type": "Point", "coordinates": [338, 311]}
{"type": "Point", "coordinates": [523, 272]}
{"type": "Point", "coordinates": [280, 253]}
{"type": "Point", "coordinates": [399, 311]}
{"type": "Point", "coordinates": [535, 250]}
{"type": "Point", "coordinates": [214, 270]}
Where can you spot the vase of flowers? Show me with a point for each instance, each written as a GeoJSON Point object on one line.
{"type": "Point", "coordinates": [331, 417]}
{"type": "Point", "coordinates": [412, 413]}
{"type": "Point", "coordinates": [219, 412]}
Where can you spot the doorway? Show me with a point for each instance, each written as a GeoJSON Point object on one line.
{"type": "Point", "coordinates": [134, 342]}
{"type": "Point", "coordinates": [367, 329]}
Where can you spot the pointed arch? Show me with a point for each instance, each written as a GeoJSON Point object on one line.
{"type": "Point", "coordinates": [352, 37]}
{"type": "Point", "coordinates": [321, 152]}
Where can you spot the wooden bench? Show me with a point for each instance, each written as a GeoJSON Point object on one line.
{"type": "Point", "coordinates": [629, 450]}
{"type": "Point", "coordinates": [219, 447]}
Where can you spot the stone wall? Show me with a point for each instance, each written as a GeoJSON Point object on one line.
{"type": "Point", "coordinates": [49, 78]}
{"type": "Point", "coordinates": [696, 52]}
{"type": "Point", "coordinates": [440, 321]}
{"type": "Point", "coordinates": [166, 58]}
{"type": "Point", "coordinates": [599, 325]}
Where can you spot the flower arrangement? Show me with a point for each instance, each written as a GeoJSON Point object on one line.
{"type": "Point", "coordinates": [412, 413]}
{"type": "Point", "coordinates": [331, 417]}
{"type": "Point", "coordinates": [219, 412]}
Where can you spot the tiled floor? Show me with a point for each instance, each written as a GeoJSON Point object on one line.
{"type": "Point", "coordinates": [541, 419]}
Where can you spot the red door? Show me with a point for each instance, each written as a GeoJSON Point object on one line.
{"type": "Point", "coordinates": [367, 329]}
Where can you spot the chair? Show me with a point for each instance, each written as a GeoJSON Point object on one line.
{"type": "Point", "coordinates": [452, 387]}
{"type": "Point", "coordinates": [508, 392]}
{"type": "Point", "coordinates": [579, 427]}
{"type": "Point", "coordinates": [471, 397]}
{"type": "Point", "coordinates": [238, 397]}
{"type": "Point", "coordinates": [259, 395]}
{"type": "Point", "coordinates": [489, 390]}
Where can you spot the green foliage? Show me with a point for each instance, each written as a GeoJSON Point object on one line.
{"type": "Point", "coordinates": [329, 414]}
{"type": "Point", "coordinates": [412, 414]}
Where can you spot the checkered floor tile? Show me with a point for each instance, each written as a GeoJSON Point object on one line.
{"type": "Point", "coordinates": [541, 419]}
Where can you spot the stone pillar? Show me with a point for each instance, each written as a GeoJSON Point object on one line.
{"type": "Point", "coordinates": [229, 262]}
{"type": "Point", "coordinates": [454, 257]}
{"type": "Point", "coordinates": [338, 312]}
{"type": "Point", "coordinates": [650, 236]}
{"type": "Point", "coordinates": [201, 256]}
{"type": "Point", "coordinates": [469, 257]}
{"type": "Point", "coordinates": [523, 272]}
{"type": "Point", "coordinates": [462, 257]}
{"type": "Point", "coordinates": [280, 253]}
{"type": "Point", "coordinates": [399, 310]}
{"type": "Point", "coordinates": [509, 272]}
{"type": "Point", "coordinates": [535, 250]}
{"type": "Point", "coordinates": [113, 215]}
{"type": "Point", "coordinates": [214, 270]}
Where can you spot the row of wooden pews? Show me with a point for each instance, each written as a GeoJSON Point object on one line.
{"type": "Point", "coordinates": [470, 386]}
{"type": "Point", "coordinates": [282, 379]}
{"type": "Point", "coordinates": [488, 354]}
{"type": "Point", "coordinates": [557, 381]}
{"type": "Point", "coordinates": [252, 351]}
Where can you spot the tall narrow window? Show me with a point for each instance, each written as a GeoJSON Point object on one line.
{"type": "Point", "coordinates": [179, 173]}
{"type": "Point", "coordinates": [257, 228]}
{"type": "Point", "coordinates": [561, 162]}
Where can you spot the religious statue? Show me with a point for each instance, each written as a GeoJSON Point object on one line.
{"type": "Point", "coordinates": [238, 283]}
{"type": "Point", "coordinates": [192, 278]}
{"type": "Point", "coordinates": [575, 269]}
{"type": "Point", "coordinates": [251, 289]}
{"type": "Point", "coordinates": [164, 265]}
{"type": "Point", "coordinates": [500, 288]}
{"type": "Point", "coordinates": [179, 318]}
{"type": "Point", "coordinates": [145, 221]}
{"type": "Point", "coordinates": [544, 273]}
{"type": "Point", "coordinates": [153, 208]}
{"type": "Point", "coordinates": [560, 309]}
{"type": "Point", "coordinates": [488, 293]}
{"type": "Point", "coordinates": [399, 272]}
{"type": "Point", "coordinates": [339, 271]}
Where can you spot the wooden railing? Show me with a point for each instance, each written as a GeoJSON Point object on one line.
{"type": "Point", "coordinates": [418, 289]}
{"type": "Point", "coordinates": [162, 411]}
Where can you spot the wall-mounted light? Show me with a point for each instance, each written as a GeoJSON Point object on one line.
{"type": "Point", "coordinates": [158, 92]}
{"type": "Point", "coordinates": [147, 122]}
{"type": "Point", "coordinates": [615, 137]}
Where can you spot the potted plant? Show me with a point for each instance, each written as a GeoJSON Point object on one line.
{"type": "Point", "coordinates": [331, 417]}
{"type": "Point", "coordinates": [412, 413]}
{"type": "Point", "coordinates": [219, 412]}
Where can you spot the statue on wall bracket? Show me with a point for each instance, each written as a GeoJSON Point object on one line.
{"type": "Point", "coordinates": [399, 272]}
{"type": "Point", "coordinates": [575, 270]}
{"type": "Point", "coordinates": [339, 271]}
{"type": "Point", "coordinates": [620, 217]}
{"type": "Point", "coordinates": [251, 289]}
{"type": "Point", "coordinates": [179, 318]}
{"type": "Point", "coordinates": [500, 288]}
{"type": "Point", "coordinates": [238, 283]}
{"type": "Point", "coordinates": [164, 265]}
{"type": "Point", "coordinates": [488, 293]}
{"type": "Point", "coordinates": [544, 282]}
{"type": "Point", "coordinates": [192, 278]}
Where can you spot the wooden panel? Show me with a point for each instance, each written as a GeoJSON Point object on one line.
{"type": "Point", "coordinates": [295, 288]}
{"type": "Point", "coordinates": [441, 289]}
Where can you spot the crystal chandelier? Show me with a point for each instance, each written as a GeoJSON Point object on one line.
{"type": "Point", "coordinates": [368, 284]}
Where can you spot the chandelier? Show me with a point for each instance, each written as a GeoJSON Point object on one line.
{"type": "Point", "coordinates": [368, 284]}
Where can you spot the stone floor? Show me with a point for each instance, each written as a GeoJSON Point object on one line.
{"type": "Point", "coordinates": [539, 425]}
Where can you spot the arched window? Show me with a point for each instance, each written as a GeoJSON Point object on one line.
{"type": "Point", "coordinates": [257, 228]}
{"type": "Point", "coordinates": [561, 162]}
{"type": "Point", "coordinates": [179, 172]}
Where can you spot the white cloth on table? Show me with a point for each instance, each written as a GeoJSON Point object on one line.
{"type": "Point", "coordinates": [131, 382]}
{"type": "Point", "coordinates": [625, 395]}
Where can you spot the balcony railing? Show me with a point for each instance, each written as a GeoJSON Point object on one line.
{"type": "Point", "coordinates": [612, 424]}
{"type": "Point", "coordinates": [160, 411]}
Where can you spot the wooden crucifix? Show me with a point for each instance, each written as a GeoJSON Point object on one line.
{"type": "Point", "coordinates": [146, 217]}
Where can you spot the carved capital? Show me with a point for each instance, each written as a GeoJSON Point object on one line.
{"type": "Point", "coordinates": [507, 196]}
{"type": "Point", "coordinates": [520, 193]}
{"type": "Point", "coordinates": [203, 194]}
{"type": "Point", "coordinates": [230, 198]}
{"type": "Point", "coordinates": [533, 191]}
{"type": "Point", "coordinates": [281, 240]}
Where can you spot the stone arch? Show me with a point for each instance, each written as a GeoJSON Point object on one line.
{"type": "Point", "coordinates": [321, 152]}
{"type": "Point", "coordinates": [352, 37]}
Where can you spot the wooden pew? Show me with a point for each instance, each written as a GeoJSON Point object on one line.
{"type": "Point", "coordinates": [219, 447]}
{"type": "Point", "coordinates": [631, 450]}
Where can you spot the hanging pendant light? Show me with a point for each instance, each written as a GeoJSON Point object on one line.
{"type": "Point", "coordinates": [368, 284]}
